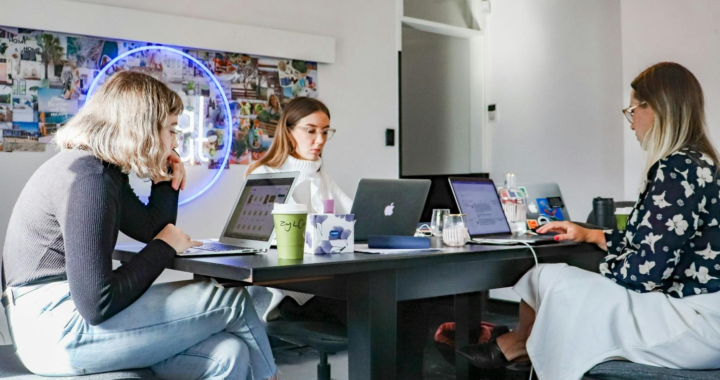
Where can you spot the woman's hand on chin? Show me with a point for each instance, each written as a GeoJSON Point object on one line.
{"type": "Point", "coordinates": [178, 170]}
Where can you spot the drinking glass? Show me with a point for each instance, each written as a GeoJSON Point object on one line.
{"type": "Point", "coordinates": [455, 233]}
{"type": "Point", "coordinates": [438, 217]}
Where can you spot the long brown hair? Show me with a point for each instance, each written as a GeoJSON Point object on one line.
{"type": "Point", "coordinates": [284, 144]}
{"type": "Point", "coordinates": [676, 98]}
{"type": "Point", "coordinates": [122, 124]}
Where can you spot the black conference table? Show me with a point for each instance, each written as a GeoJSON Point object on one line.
{"type": "Point", "coordinates": [374, 284]}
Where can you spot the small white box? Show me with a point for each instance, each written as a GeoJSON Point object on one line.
{"type": "Point", "coordinates": [330, 233]}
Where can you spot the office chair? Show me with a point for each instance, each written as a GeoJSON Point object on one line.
{"type": "Point", "coordinates": [326, 338]}
{"type": "Point", "coordinates": [622, 370]}
{"type": "Point", "coordinates": [591, 217]}
{"type": "Point", "coordinates": [12, 369]}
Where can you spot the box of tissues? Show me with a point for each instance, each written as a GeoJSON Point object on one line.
{"type": "Point", "coordinates": [329, 233]}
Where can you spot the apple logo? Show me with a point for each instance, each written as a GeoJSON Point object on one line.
{"type": "Point", "coordinates": [389, 209]}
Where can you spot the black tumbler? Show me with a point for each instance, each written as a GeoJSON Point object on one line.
{"type": "Point", "coordinates": [604, 209]}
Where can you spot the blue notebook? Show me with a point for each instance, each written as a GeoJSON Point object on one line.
{"type": "Point", "coordinates": [397, 242]}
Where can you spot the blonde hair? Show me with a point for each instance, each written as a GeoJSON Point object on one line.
{"type": "Point", "coordinates": [122, 124]}
{"type": "Point", "coordinates": [676, 99]}
{"type": "Point", "coordinates": [284, 145]}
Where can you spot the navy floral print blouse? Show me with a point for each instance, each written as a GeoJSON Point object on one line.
{"type": "Point", "coordinates": [672, 241]}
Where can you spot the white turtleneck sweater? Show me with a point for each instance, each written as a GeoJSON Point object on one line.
{"type": "Point", "coordinates": [313, 185]}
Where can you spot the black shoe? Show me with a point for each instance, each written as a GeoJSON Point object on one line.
{"type": "Point", "coordinates": [484, 355]}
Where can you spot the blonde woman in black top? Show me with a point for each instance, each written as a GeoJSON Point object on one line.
{"type": "Point", "coordinates": [70, 313]}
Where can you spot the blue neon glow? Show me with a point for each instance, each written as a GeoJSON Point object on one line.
{"type": "Point", "coordinates": [214, 79]}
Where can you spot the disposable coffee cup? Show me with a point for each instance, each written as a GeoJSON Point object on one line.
{"type": "Point", "coordinates": [621, 216]}
{"type": "Point", "coordinates": [290, 221]}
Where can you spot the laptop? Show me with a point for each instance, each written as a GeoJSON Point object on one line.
{"type": "Point", "coordinates": [440, 195]}
{"type": "Point", "coordinates": [478, 199]}
{"type": "Point", "coordinates": [545, 203]}
{"type": "Point", "coordinates": [250, 228]}
{"type": "Point", "coordinates": [388, 206]}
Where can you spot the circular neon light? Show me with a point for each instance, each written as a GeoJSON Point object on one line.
{"type": "Point", "coordinates": [208, 72]}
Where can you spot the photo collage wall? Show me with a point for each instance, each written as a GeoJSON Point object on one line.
{"type": "Point", "coordinates": [45, 78]}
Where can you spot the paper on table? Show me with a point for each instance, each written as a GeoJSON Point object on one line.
{"type": "Point", "coordinates": [363, 248]}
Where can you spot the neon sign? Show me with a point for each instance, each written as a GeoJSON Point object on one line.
{"type": "Point", "coordinates": [196, 139]}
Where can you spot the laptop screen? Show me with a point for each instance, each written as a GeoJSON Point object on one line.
{"type": "Point", "coordinates": [479, 201]}
{"type": "Point", "coordinates": [252, 218]}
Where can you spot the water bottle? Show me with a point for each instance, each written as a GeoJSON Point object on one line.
{"type": "Point", "coordinates": [604, 209]}
{"type": "Point", "coordinates": [514, 203]}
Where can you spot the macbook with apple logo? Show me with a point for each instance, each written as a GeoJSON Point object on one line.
{"type": "Point", "coordinates": [388, 206]}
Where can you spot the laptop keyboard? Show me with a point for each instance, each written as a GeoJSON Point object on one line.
{"type": "Point", "coordinates": [219, 247]}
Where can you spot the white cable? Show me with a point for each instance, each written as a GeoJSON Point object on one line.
{"type": "Point", "coordinates": [537, 298]}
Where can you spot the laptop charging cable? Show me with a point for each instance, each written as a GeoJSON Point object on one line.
{"type": "Point", "coordinates": [537, 297]}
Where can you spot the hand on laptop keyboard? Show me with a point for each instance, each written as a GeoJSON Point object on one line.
{"type": "Point", "coordinates": [176, 238]}
{"type": "Point", "coordinates": [218, 247]}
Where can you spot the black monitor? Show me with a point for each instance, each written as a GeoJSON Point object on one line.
{"type": "Point", "coordinates": [440, 195]}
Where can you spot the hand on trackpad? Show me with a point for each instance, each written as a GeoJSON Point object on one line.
{"type": "Point", "coordinates": [534, 230]}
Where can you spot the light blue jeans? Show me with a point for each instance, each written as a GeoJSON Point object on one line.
{"type": "Point", "coordinates": [182, 330]}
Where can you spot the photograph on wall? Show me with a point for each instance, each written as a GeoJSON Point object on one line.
{"type": "Point", "coordinates": [45, 78]}
{"type": "Point", "coordinates": [23, 137]}
{"type": "Point", "coordinates": [8, 32]}
{"type": "Point", "coordinates": [23, 108]}
{"type": "Point", "coordinates": [6, 113]}
{"type": "Point", "coordinates": [258, 142]}
{"type": "Point", "coordinates": [2, 127]}
{"type": "Point", "coordinates": [4, 69]}
{"type": "Point", "coordinates": [239, 152]}
{"type": "Point", "coordinates": [215, 164]}
{"type": "Point", "coordinates": [84, 51]}
{"type": "Point", "coordinates": [298, 78]}
{"type": "Point", "coordinates": [54, 107]}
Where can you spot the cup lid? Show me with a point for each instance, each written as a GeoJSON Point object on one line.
{"type": "Point", "coordinates": [623, 210]}
{"type": "Point", "coordinates": [292, 208]}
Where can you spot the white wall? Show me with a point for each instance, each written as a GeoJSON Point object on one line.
{"type": "Point", "coordinates": [555, 72]}
{"type": "Point", "coordinates": [360, 89]}
{"type": "Point", "coordinates": [452, 12]}
{"type": "Point", "coordinates": [685, 32]}
{"type": "Point", "coordinates": [435, 104]}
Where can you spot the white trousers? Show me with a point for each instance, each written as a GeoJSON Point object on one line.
{"type": "Point", "coordinates": [583, 319]}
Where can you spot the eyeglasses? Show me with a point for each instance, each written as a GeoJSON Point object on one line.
{"type": "Point", "coordinates": [630, 111]}
{"type": "Point", "coordinates": [313, 131]}
{"type": "Point", "coordinates": [177, 134]}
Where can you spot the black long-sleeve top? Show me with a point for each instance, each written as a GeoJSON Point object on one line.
{"type": "Point", "coordinates": [66, 223]}
{"type": "Point", "coordinates": [672, 240]}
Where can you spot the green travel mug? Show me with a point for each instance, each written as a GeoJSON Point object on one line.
{"type": "Point", "coordinates": [290, 221]}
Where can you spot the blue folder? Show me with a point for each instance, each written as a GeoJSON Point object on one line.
{"type": "Point", "coordinates": [397, 242]}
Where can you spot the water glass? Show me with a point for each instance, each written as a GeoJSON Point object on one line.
{"type": "Point", "coordinates": [438, 217]}
{"type": "Point", "coordinates": [455, 233]}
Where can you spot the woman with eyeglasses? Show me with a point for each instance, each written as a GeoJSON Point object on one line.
{"type": "Point", "coordinates": [656, 300]}
{"type": "Point", "coordinates": [69, 311]}
{"type": "Point", "coordinates": [300, 137]}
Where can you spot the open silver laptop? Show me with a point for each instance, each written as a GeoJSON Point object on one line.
{"type": "Point", "coordinates": [478, 199]}
{"type": "Point", "coordinates": [545, 203]}
{"type": "Point", "coordinates": [250, 228]}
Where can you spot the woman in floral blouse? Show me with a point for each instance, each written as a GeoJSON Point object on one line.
{"type": "Point", "coordinates": [656, 301]}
